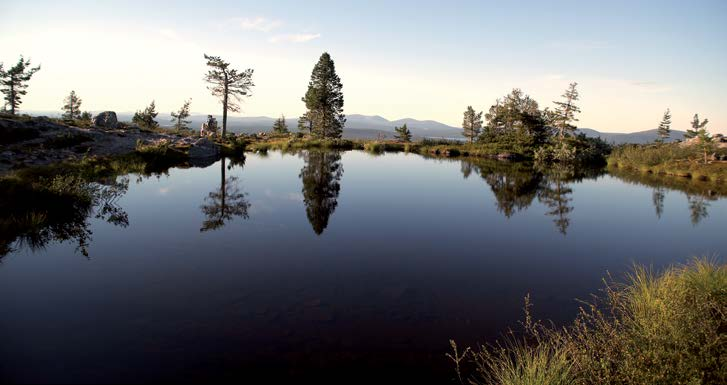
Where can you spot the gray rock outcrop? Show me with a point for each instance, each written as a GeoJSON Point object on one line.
{"type": "Point", "coordinates": [106, 119]}
{"type": "Point", "coordinates": [204, 148]}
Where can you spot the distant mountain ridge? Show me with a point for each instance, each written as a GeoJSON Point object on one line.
{"type": "Point", "coordinates": [640, 137]}
{"type": "Point", "coordinates": [373, 126]}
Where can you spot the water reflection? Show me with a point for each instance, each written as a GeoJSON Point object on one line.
{"type": "Point", "coordinates": [556, 194]}
{"type": "Point", "coordinates": [36, 214]}
{"type": "Point", "coordinates": [698, 193]}
{"type": "Point", "coordinates": [657, 197]}
{"type": "Point", "coordinates": [698, 207]}
{"type": "Point", "coordinates": [321, 178]}
{"type": "Point", "coordinates": [516, 185]}
{"type": "Point", "coordinates": [226, 202]}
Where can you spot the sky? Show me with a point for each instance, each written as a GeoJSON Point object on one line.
{"type": "Point", "coordinates": [405, 59]}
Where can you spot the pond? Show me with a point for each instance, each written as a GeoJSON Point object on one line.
{"type": "Point", "coordinates": [333, 266]}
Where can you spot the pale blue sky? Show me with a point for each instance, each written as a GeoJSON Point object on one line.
{"type": "Point", "coordinates": [420, 59]}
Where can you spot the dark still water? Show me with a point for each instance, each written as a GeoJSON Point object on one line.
{"type": "Point", "coordinates": [342, 267]}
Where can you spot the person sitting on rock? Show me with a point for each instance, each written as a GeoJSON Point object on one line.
{"type": "Point", "coordinates": [209, 127]}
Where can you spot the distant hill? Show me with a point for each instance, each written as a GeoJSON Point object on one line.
{"type": "Point", "coordinates": [372, 126]}
{"type": "Point", "coordinates": [640, 137]}
{"type": "Point", "coordinates": [357, 126]}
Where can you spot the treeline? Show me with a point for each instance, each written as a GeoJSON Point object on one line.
{"type": "Point", "coordinates": [516, 123]}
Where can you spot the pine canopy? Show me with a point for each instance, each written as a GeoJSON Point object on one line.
{"type": "Point", "coordinates": [324, 99]}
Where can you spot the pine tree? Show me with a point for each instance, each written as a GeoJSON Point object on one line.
{"type": "Point", "coordinates": [403, 133]}
{"type": "Point", "coordinates": [516, 119]}
{"type": "Point", "coordinates": [229, 85]}
{"type": "Point", "coordinates": [565, 112]}
{"type": "Point", "coordinates": [72, 106]}
{"type": "Point", "coordinates": [86, 117]}
{"type": "Point", "coordinates": [305, 123]}
{"type": "Point", "coordinates": [179, 117]}
{"type": "Point", "coordinates": [145, 118]}
{"type": "Point", "coordinates": [664, 127]}
{"type": "Point", "coordinates": [14, 82]}
{"type": "Point", "coordinates": [706, 143]}
{"type": "Point", "coordinates": [696, 126]}
{"type": "Point", "coordinates": [472, 124]}
{"type": "Point", "coordinates": [280, 126]}
{"type": "Point", "coordinates": [324, 99]}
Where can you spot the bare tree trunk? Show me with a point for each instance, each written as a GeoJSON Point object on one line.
{"type": "Point", "coordinates": [224, 109]}
{"type": "Point", "coordinates": [12, 97]}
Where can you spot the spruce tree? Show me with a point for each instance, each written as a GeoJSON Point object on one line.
{"type": "Point", "coordinates": [280, 126]}
{"type": "Point", "coordinates": [72, 106]}
{"type": "Point", "coordinates": [229, 85]}
{"type": "Point", "coordinates": [565, 112]}
{"type": "Point", "coordinates": [403, 133]}
{"type": "Point", "coordinates": [86, 117]}
{"type": "Point", "coordinates": [696, 126]}
{"type": "Point", "coordinates": [664, 127]}
{"type": "Point", "coordinates": [706, 143]}
{"type": "Point", "coordinates": [472, 124]}
{"type": "Point", "coordinates": [324, 99]}
{"type": "Point", "coordinates": [517, 119]}
{"type": "Point", "coordinates": [145, 118]}
{"type": "Point", "coordinates": [14, 82]}
{"type": "Point", "coordinates": [179, 118]}
{"type": "Point", "coordinates": [305, 123]}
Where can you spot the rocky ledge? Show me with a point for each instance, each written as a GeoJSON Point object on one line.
{"type": "Point", "coordinates": [37, 141]}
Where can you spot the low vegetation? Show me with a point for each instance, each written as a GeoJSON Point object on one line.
{"type": "Point", "coordinates": [672, 160]}
{"type": "Point", "coordinates": [667, 328]}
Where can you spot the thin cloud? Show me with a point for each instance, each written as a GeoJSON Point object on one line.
{"type": "Point", "coordinates": [260, 24]}
{"type": "Point", "coordinates": [295, 38]}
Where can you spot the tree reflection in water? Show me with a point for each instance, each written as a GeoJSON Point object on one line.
{"type": "Point", "coordinates": [321, 178]}
{"type": "Point", "coordinates": [515, 185]}
{"type": "Point", "coordinates": [226, 202]}
{"type": "Point", "coordinates": [697, 192]}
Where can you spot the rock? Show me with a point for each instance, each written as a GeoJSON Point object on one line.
{"type": "Point", "coordinates": [204, 148]}
{"type": "Point", "coordinates": [106, 119]}
{"type": "Point", "coordinates": [506, 155]}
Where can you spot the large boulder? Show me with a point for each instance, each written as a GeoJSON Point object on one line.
{"type": "Point", "coordinates": [203, 149]}
{"type": "Point", "coordinates": [106, 119]}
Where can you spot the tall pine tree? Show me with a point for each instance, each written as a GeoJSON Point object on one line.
{"type": "Point", "coordinates": [664, 129]}
{"type": "Point", "coordinates": [324, 99]}
{"type": "Point", "coordinates": [305, 123]}
{"type": "Point", "coordinates": [72, 106]}
{"type": "Point", "coordinates": [145, 118]}
{"type": "Point", "coordinates": [14, 82]}
{"type": "Point", "coordinates": [696, 126]}
{"type": "Point", "coordinates": [472, 124]}
{"type": "Point", "coordinates": [229, 85]}
{"type": "Point", "coordinates": [565, 111]}
{"type": "Point", "coordinates": [279, 126]}
{"type": "Point", "coordinates": [403, 133]}
{"type": "Point", "coordinates": [179, 118]}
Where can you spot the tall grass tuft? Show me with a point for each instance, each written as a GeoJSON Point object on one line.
{"type": "Point", "coordinates": [667, 328]}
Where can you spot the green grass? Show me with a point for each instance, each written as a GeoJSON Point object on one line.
{"type": "Point", "coordinates": [669, 159]}
{"type": "Point", "coordinates": [666, 328]}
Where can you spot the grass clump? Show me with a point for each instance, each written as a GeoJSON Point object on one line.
{"type": "Point", "coordinates": [668, 328]}
{"type": "Point", "coordinates": [670, 159]}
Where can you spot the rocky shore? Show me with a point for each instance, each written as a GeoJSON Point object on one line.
{"type": "Point", "coordinates": [37, 141]}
